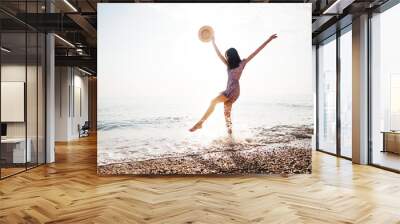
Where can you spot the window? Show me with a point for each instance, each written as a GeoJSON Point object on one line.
{"type": "Point", "coordinates": [346, 93]}
{"type": "Point", "coordinates": [22, 88]}
{"type": "Point", "coordinates": [385, 89]}
{"type": "Point", "coordinates": [327, 96]}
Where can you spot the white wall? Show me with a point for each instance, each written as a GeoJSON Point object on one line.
{"type": "Point", "coordinates": [81, 84]}
{"type": "Point", "coordinates": [12, 73]}
{"type": "Point", "coordinates": [33, 127]}
{"type": "Point", "coordinates": [70, 83]}
{"type": "Point", "coordinates": [62, 81]}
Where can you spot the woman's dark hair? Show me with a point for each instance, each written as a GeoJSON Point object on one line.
{"type": "Point", "coordinates": [233, 58]}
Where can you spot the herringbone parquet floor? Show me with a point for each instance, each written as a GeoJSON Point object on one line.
{"type": "Point", "coordinates": [70, 191]}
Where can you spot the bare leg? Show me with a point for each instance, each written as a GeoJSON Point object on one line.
{"type": "Point", "coordinates": [219, 99]}
{"type": "Point", "coordinates": [227, 114]}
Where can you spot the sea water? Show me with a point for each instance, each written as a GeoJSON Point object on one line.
{"type": "Point", "coordinates": [138, 129]}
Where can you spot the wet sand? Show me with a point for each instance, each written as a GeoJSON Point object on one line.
{"type": "Point", "coordinates": [278, 150]}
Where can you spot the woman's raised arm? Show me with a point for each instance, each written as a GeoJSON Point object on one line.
{"type": "Point", "coordinates": [218, 52]}
{"type": "Point", "coordinates": [261, 47]}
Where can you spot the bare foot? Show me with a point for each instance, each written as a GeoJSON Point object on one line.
{"type": "Point", "coordinates": [198, 125]}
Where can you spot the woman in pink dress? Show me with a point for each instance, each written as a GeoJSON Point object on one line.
{"type": "Point", "coordinates": [235, 66]}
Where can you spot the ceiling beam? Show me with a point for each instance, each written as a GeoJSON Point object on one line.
{"type": "Point", "coordinates": [85, 25]}
{"type": "Point", "coordinates": [338, 6]}
{"type": "Point", "coordinates": [81, 61]}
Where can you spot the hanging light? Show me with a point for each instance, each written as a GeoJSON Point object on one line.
{"type": "Point", "coordinates": [5, 50]}
{"type": "Point", "coordinates": [70, 5]}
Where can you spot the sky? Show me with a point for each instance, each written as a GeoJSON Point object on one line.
{"type": "Point", "coordinates": [152, 51]}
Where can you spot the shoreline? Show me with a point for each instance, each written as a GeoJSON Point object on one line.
{"type": "Point", "coordinates": [278, 150]}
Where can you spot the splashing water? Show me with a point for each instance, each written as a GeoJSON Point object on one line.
{"type": "Point", "coordinates": [133, 132]}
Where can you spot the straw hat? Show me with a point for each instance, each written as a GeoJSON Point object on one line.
{"type": "Point", "coordinates": [206, 33]}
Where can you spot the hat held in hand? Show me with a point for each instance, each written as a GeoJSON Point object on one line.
{"type": "Point", "coordinates": [206, 33]}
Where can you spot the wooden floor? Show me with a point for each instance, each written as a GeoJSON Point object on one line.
{"type": "Point", "coordinates": [5, 172]}
{"type": "Point", "coordinates": [70, 191]}
{"type": "Point", "coordinates": [387, 159]}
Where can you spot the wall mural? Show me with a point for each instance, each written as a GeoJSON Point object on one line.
{"type": "Point", "coordinates": [204, 89]}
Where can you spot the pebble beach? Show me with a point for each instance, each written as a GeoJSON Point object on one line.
{"type": "Point", "coordinates": [282, 149]}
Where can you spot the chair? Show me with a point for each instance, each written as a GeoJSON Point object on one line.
{"type": "Point", "coordinates": [84, 130]}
